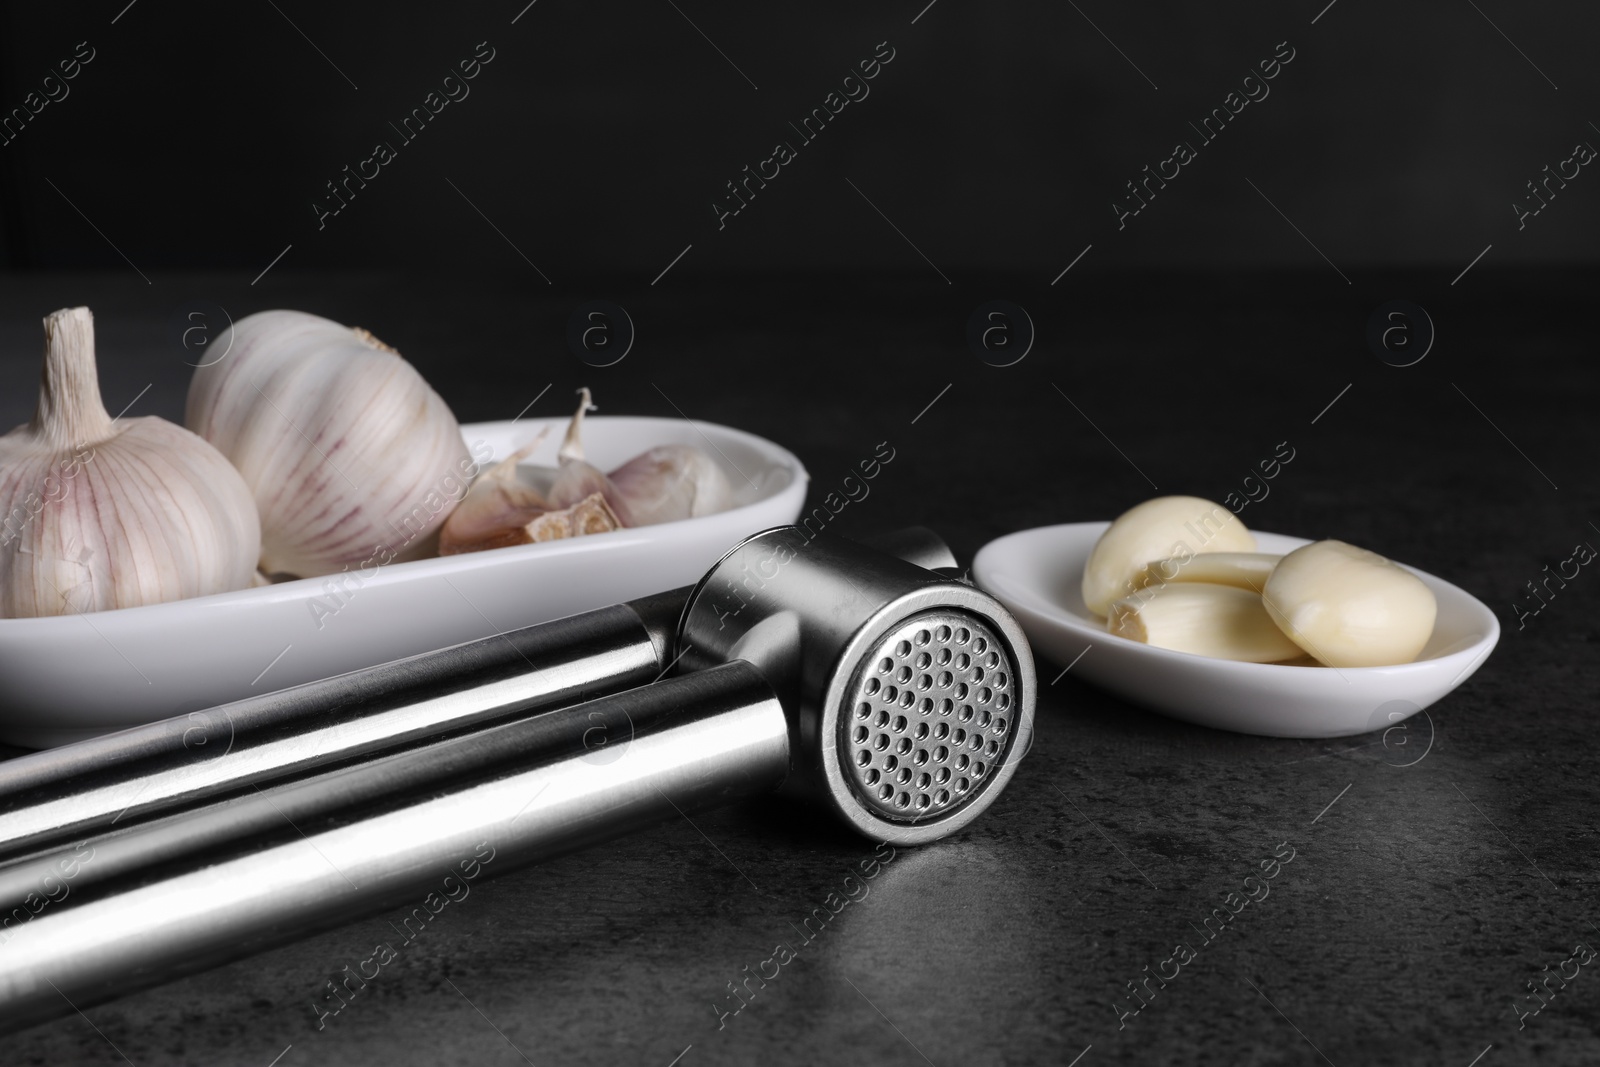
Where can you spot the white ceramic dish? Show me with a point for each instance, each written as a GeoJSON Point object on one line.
{"type": "Point", "coordinates": [1036, 574]}
{"type": "Point", "coordinates": [66, 678]}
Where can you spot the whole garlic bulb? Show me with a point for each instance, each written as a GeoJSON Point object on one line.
{"type": "Point", "coordinates": [101, 514]}
{"type": "Point", "coordinates": [349, 452]}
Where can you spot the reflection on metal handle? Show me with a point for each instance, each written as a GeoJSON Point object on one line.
{"type": "Point", "coordinates": [517, 793]}
{"type": "Point", "coordinates": [56, 797]}
{"type": "Point", "coordinates": [60, 795]}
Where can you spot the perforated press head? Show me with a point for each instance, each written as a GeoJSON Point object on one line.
{"type": "Point", "coordinates": [931, 716]}
{"type": "Point", "coordinates": [910, 696]}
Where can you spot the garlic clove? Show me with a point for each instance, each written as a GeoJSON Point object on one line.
{"type": "Point", "coordinates": [1163, 528]}
{"type": "Point", "coordinates": [572, 444]}
{"type": "Point", "coordinates": [590, 515]}
{"type": "Point", "coordinates": [671, 482]}
{"type": "Point", "coordinates": [577, 479]}
{"type": "Point", "coordinates": [1349, 607]}
{"type": "Point", "coordinates": [496, 509]}
{"type": "Point", "coordinates": [1242, 570]}
{"type": "Point", "coordinates": [1221, 621]}
{"type": "Point", "coordinates": [661, 484]}
{"type": "Point", "coordinates": [513, 505]}
{"type": "Point", "coordinates": [350, 454]}
{"type": "Point", "coordinates": [97, 513]}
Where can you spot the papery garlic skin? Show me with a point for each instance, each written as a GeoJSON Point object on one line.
{"type": "Point", "coordinates": [662, 484]}
{"type": "Point", "coordinates": [1221, 621]}
{"type": "Point", "coordinates": [347, 449]}
{"type": "Point", "coordinates": [591, 515]}
{"type": "Point", "coordinates": [1242, 570]}
{"type": "Point", "coordinates": [1162, 528]}
{"type": "Point", "coordinates": [514, 505]}
{"type": "Point", "coordinates": [98, 514]}
{"type": "Point", "coordinates": [496, 509]}
{"type": "Point", "coordinates": [671, 482]}
{"type": "Point", "coordinates": [1349, 607]}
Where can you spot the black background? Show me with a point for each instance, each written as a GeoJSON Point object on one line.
{"type": "Point", "coordinates": [1190, 343]}
{"type": "Point", "coordinates": [599, 137]}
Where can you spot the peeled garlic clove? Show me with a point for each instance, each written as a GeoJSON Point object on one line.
{"type": "Point", "coordinates": [98, 514]}
{"type": "Point", "coordinates": [1242, 570]}
{"type": "Point", "coordinates": [1163, 528]}
{"type": "Point", "coordinates": [1349, 607]}
{"type": "Point", "coordinates": [351, 456]}
{"type": "Point", "coordinates": [496, 510]}
{"type": "Point", "coordinates": [1221, 621]}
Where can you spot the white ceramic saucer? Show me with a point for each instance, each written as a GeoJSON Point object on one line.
{"type": "Point", "coordinates": [73, 676]}
{"type": "Point", "coordinates": [1036, 574]}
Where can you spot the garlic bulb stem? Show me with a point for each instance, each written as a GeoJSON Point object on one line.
{"type": "Point", "coordinates": [70, 411]}
{"type": "Point", "coordinates": [572, 446]}
{"type": "Point", "coordinates": [102, 513]}
{"type": "Point", "coordinates": [365, 337]}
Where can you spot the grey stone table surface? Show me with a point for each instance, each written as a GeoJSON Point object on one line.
{"type": "Point", "coordinates": [1433, 877]}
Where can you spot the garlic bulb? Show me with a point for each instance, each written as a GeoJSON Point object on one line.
{"type": "Point", "coordinates": [350, 454]}
{"type": "Point", "coordinates": [1221, 621]}
{"type": "Point", "coordinates": [1166, 527]}
{"type": "Point", "coordinates": [510, 505]}
{"type": "Point", "coordinates": [101, 514]}
{"type": "Point", "coordinates": [1349, 607]}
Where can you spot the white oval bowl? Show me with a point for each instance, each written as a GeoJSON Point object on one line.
{"type": "Point", "coordinates": [1037, 574]}
{"type": "Point", "coordinates": [70, 677]}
